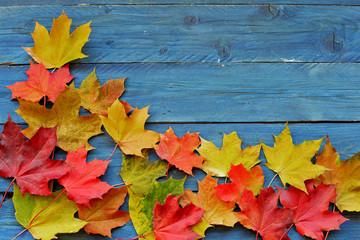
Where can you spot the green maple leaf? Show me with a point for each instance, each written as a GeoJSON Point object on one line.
{"type": "Point", "coordinates": [57, 218]}
{"type": "Point", "coordinates": [140, 173]}
{"type": "Point", "coordinates": [140, 208]}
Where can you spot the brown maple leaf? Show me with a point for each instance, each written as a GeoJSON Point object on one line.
{"type": "Point", "coordinates": [97, 99]}
{"type": "Point", "coordinates": [104, 213]}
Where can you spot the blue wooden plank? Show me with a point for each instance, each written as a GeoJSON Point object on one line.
{"type": "Point", "coordinates": [177, 2]}
{"type": "Point", "coordinates": [236, 92]}
{"type": "Point", "coordinates": [195, 33]}
{"type": "Point", "coordinates": [343, 136]}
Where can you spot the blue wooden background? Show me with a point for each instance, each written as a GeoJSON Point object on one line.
{"type": "Point", "coordinates": [204, 66]}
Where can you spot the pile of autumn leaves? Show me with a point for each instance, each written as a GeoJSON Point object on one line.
{"type": "Point", "coordinates": [158, 210]}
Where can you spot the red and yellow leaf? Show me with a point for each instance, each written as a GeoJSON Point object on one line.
{"type": "Point", "coordinates": [170, 222]}
{"type": "Point", "coordinates": [104, 213]}
{"type": "Point", "coordinates": [41, 83]}
{"type": "Point", "coordinates": [217, 212]}
{"type": "Point", "coordinates": [180, 151]}
{"type": "Point", "coordinates": [240, 179]}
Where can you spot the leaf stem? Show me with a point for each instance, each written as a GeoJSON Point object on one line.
{"type": "Point", "coordinates": [53, 154]}
{"type": "Point", "coordinates": [32, 220]}
{"type": "Point", "coordinates": [7, 190]}
{"type": "Point", "coordinates": [119, 184]}
{"type": "Point", "coordinates": [138, 237]}
{"type": "Point", "coordinates": [287, 231]}
{"type": "Point", "coordinates": [44, 100]}
{"type": "Point", "coordinates": [112, 152]}
{"type": "Point", "coordinates": [272, 180]}
{"type": "Point", "coordinates": [327, 233]}
{"type": "Point", "coordinates": [167, 171]}
{"type": "Point", "coordinates": [20, 233]}
{"type": "Point", "coordinates": [257, 234]}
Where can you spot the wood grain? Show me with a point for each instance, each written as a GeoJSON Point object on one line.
{"type": "Point", "coordinates": [195, 33]}
{"type": "Point", "coordinates": [232, 92]}
{"type": "Point", "coordinates": [178, 2]}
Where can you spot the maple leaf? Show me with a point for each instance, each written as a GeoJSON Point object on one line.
{"type": "Point", "coordinates": [293, 162]}
{"type": "Point", "coordinates": [218, 161]}
{"type": "Point", "coordinates": [180, 151]}
{"type": "Point", "coordinates": [28, 160]}
{"type": "Point", "coordinates": [56, 218]}
{"type": "Point", "coordinates": [140, 208]}
{"type": "Point", "coordinates": [104, 213]}
{"type": "Point", "coordinates": [263, 215]}
{"type": "Point", "coordinates": [41, 83]}
{"type": "Point", "coordinates": [217, 212]}
{"type": "Point", "coordinates": [139, 173]}
{"type": "Point", "coordinates": [345, 174]}
{"type": "Point", "coordinates": [73, 131]}
{"type": "Point", "coordinates": [240, 179]}
{"type": "Point", "coordinates": [170, 222]}
{"type": "Point", "coordinates": [98, 99]}
{"type": "Point", "coordinates": [81, 182]}
{"type": "Point", "coordinates": [58, 48]}
{"type": "Point", "coordinates": [129, 132]}
{"type": "Point", "coordinates": [311, 211]}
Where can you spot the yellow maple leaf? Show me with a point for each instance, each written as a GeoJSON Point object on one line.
{"type": "Point", "coordinates": [218, 161]}
{"type": "Point", "coordinates": [58, 48]}
{"type": "Point", "coordinates": [345, 174]}
{"type": "Point", "coordinates": [128, 131]}
{"type": "Point", "coordinates": [292, 163]}
{"type": "Point", "coordinates": [73, 131]}
{"type": "Point", "coordinates": [217, 212]}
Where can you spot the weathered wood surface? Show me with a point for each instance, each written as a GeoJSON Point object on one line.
{"type": "Point", "coordinates": [195, 33]}
{"type": "Point", "coordinates": [177, 2]}
{"type": "Point", "coordinates": [232, 92]}
{"type": "Point", "coordinates": [206, 67]}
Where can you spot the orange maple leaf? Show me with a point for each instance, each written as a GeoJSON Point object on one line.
{"type": "Point", "coordinates": [180, 151]}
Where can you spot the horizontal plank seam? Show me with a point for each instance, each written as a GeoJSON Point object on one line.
{"type": "Point", "coordinates": [173, 63]}
{"type": "Point", "coordinates": [260, 122]}
{"type": "Point", "coordinates": [195, 4]}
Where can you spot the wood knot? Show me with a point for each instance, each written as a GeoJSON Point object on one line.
{"type": "Point", "coordinates": [333, 43]}
{"type": "Point", "coordinates": [163, 50]}
{"type": "Point", "coordinates": [223, 51]}
{"type": "Point", "coordinates": [190, 21]}
{"type": "Point", "coordinates": [270, 10]}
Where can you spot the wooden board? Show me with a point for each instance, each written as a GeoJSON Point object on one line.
{"type": "Point", "coordinates": [250, 92]}
{"type": "Point", "coordinates": [178, 2]}
{"type": "Point", "coordinates": [207, 67]}
{"type": "Point", "coordinates": [195, 33]}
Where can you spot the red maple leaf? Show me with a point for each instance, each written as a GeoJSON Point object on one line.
{"type": "Point", "coordinates": [180, 151]}
{"type": "Point", "coordinates": [27, 161]}
{"type": "Point", "coordinates": [240, 178]}
{"type": "Point", "coordinates": [263, 215]}
{"type": "Point", "coordinates": [311, 211]}
{"type": "Point", "coordinates": [81, 182]}
{"type": "Point", "coordinates": [170, 222]}
{"type": "Point", "coordinates": [41, 83]}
